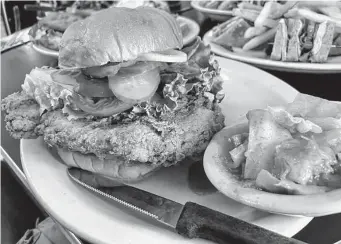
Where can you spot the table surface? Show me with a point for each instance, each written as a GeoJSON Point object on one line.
{"type": "Point", "coordinates": [16, 63]}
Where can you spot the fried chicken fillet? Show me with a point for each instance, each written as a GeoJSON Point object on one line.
{"type": "Point", "coordinates": [144, 140]}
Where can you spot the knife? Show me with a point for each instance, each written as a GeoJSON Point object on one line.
{"type": "Point", "coordinates": [190, 220]}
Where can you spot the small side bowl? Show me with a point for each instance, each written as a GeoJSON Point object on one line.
{"type": "Point", "coordinates": [228, 184]}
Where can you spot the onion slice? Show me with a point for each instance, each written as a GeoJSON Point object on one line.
{"type": "Point", "coordinates": [169, 56]}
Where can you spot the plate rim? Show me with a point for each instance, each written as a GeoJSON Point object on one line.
{"type": "Point", "coordinates": [194, 29]}
{"type": "Point", "coordinates": [271, 64]}
{"type": "Point", "coordinates": [44, 50]}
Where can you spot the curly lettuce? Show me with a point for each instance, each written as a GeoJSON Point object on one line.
{"type": "Point", "coordinates": [48, 94]}
{"type": "Point", "coordinates": [187, 81]}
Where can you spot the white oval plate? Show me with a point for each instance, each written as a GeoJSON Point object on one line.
{"type": "Point", "coordinates": [101, 222]}
{"type": "Point", "coordinates": [43, 50]}
{"type": "Point", "coordinates": [215, 14]}
{"type": "Point", "coordinates": [220, 176]}
{"type": "Point", "coordinates": [193, 29]}
{"type": "Point", "coordinates": [296, 67]}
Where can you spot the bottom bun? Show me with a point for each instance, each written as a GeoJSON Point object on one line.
{"type": "Point", "coordinates": [113, 167]}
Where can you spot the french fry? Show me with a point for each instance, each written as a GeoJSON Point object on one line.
{"type": "Point", "coordinates": [310, 15]}
{"type": "Point", "coordinates": [270, 23]}
{"type": "Point", "coordinates": [273, 10]}
{"type": "Point", "coordinates": [331, 11]}
{"type": "Point", "coordinates": [251, 15]}
{"type": "Point", "coordinates": [226, 5]}
{"type": "Point", "coordinates": [282, 9]}
{"type": "Point", "coordinates": [259, 40]}
{"type": "Point", "coordinates": [264, 14]}
{"type": "Point", "coordinates": [247, 14]}
{"type": "Point", "coordinates": [246, 5]}
{"type": "Point", "coordinates": [254, 31]}
{"type": "Point", "coordinates": [212, 4]}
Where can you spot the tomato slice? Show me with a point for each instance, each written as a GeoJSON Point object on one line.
{"type": "Point", "coordinates": [84, 85]}
{"type": "Point", "coordinates": [104, 107]}
{"type": "Point", "coordinates": [93, 87]}
{"type": "Point", "coordinates": [136, 83]}
{"type": "Point", "coordinates": [107, 69]}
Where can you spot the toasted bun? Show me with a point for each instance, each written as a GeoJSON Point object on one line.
{"type": "Point", "coordinates": [114, 167]}
{"type": "Point", "coordinates": [117, 35]}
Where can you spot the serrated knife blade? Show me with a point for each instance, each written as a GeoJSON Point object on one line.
{"type": "Point", "coordinates": [159, 208]}
{"type": "Point", "coordinates": [190, 220]}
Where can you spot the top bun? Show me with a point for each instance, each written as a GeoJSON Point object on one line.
{"type": "Point", "coordinates": [117, 35]}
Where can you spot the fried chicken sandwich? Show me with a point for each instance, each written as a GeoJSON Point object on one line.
{"type": "Point", "coordinates": [127, 97]}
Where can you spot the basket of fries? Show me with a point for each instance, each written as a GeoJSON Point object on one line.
{"type": "Point", "coordinates": [286, 31]}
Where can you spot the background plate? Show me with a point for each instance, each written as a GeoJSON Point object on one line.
{"type": "Point", "coordinates": [271, 64]}
{"type": "Point", "coordinates": [45, 51]}
{"type": "Point", "coordinates": [103, 222]}
{"type": "Point", "coordinates": [193, 29]}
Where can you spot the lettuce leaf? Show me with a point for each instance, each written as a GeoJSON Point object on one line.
{"type": "Point", "coordinates": [199, 57]}
{"type": "Point", "coordinates": [48, 94]}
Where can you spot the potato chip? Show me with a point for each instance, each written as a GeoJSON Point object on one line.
{"type": "Point", "coordinates": [314, 107]}
{"type": "Point", "coordinates": [265, 134]}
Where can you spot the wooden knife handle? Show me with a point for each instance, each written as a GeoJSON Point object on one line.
{"type": "Point", "coordinates": [197, 221]}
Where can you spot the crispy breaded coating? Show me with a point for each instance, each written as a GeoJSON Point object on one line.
{"type": "Point", "coordinates": [145, 139]}
{"type": "Point", "coordinates": [22, 115]}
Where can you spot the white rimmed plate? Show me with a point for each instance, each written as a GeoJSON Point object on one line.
{"type": "Point", "coordinates": [46, 51]}
{"type": "Point", "coordinates": [101, 222]}
{"type": "Point", "coordinates": [271, 64]}
{"type": "Point", "coordinates": [193, 29]}
{"type": "Point", "coordinates": [215, 14]}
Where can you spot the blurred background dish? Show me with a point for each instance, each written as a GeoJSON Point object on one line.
{"type": "Point", "coordinates": [189, 28]}
{"type": "Point", "coordinates": [136, 3]}
{"type": "Point", "coordinates": [213, 13]}
{"type": "Point", "coordinates": [282, 35]}
{"type": "Point", "coordinates": [48, 31]}
{"type": "Point", "coordinates": [261, 62]}
{"type": "Point", "coordinates": [45, 51]}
